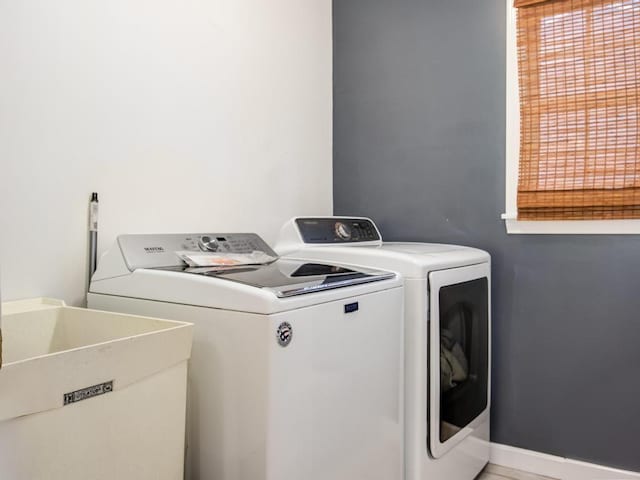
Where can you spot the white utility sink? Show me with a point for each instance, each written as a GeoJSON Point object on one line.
{"type": "Point", "coordinates": [90, 394]}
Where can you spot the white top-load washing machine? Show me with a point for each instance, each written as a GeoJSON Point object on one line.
{"type": "Point", "coordinates": [296, 369]}
{"type": "Point", "coordinates": [447, 337]}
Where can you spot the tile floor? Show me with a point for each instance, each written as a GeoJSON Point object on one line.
{"type": "Point", "coordinates": [495, 472]}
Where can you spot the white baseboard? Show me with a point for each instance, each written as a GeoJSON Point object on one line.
{"type": "Point", "coordinates": [554, 467]}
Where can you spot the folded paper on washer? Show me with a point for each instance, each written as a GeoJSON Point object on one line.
{"type": "Point", "coordinates": [216, 259]}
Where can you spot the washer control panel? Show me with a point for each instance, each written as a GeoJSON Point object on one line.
{"type": "Point", "coordinates": [158, 251]}
{"type": "Point", "coordinates": [337, 230]}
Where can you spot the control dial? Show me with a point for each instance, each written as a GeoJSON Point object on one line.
{"type": "Point", "coordinates": [208, 244]}
{"type": "Point", "coordinates": [342, 231]}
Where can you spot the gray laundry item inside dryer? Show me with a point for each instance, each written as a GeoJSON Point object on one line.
{"type": "Point", "coordinates": [454, 367]}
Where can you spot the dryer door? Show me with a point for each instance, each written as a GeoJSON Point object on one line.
{"type": "Point", "coordinates": [459, 354]}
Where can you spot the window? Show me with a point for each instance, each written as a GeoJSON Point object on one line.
{"type": "Point", "coordinates": [572, 121]}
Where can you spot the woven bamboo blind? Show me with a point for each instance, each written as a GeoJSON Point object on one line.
{"type": "Point", "coordinates": [579, 64]}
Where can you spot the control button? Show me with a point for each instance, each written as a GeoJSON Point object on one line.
{"type": "Point", "coordinates": [208, 244]}
{"type": "Point", "coordinates": [342, 231]}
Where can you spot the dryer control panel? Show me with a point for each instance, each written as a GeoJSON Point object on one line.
{"type": "Point", "coordinates": [324, 230]}
{"type": "Point", "coordinates": [158, 251]}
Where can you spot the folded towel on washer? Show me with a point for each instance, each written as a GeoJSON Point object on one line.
{"type": "Point", "coordinates": [224, 259]}
{"type": "Point", "coordinates": [454, 367]}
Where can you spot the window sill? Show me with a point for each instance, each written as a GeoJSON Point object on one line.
{"type": "Point", "coordinates": [571, 227]}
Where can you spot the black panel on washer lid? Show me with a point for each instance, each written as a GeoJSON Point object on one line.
{"type": "Point", "coordinates": [287, 278]}
{"type": "Point", "coordinates": [337, 230]}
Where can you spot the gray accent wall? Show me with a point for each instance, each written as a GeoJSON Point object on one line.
{"type": "Point", "coordinates": [419, 140]}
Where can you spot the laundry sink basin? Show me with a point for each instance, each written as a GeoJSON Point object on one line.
{"type": "Point", "coordinates": [91, 394]}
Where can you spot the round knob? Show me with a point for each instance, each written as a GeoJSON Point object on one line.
{"type": "Point", "coordinates": [208, 244]}
{"type": "Point", "coordinates": [343, 231]}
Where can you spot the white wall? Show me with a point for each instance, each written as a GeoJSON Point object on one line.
{"type": "Point", "coordinates": [185, 115]}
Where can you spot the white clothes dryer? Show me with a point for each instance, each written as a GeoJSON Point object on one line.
{"type": "Point", "coordinates": [296, 368]}
{"type": "Point", "coordinates": [447, 337]}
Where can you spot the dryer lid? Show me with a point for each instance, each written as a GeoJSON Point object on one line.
{"type": "Point", "coordinates": [288, 278]}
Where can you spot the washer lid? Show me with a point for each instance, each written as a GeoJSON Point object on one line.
{"type": "Point", "coordinates": [288, 278]}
